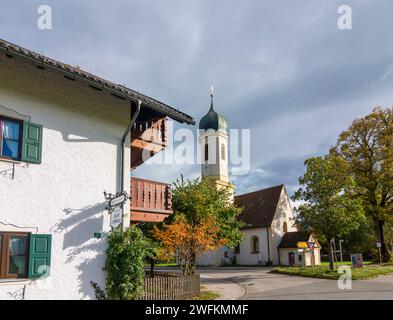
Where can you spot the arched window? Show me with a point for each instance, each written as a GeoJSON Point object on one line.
{"type": "Point", "coordinates": [206, 152]}
{"type": "Point", "coordinates": [254, 244]}
{"type": "Point", "coordinates": [285, 227]}
{"type": "Point", "coordinates": [222, 151]}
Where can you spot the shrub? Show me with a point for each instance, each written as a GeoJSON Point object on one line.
{"type": "Point", "coordinates": [125, 263]}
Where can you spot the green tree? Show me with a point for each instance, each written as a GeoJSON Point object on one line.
{"type": "Point", "coordinates": [367, 147]}
{"type": "Point", "coordinates": [326, 206]}
{"type": "Point", "coordinates": [196, 204]}
{"type": "Point", "coordinates": [126, 253]}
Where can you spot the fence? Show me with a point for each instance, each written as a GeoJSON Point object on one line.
{"type": "Point", "coordinates": [171, 287]}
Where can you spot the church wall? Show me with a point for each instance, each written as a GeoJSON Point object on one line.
{"type": "Point", "coordinates": [221, 256]}
{"type": "Point", "coordinates": [245, 257]}
{"type": "Point", "coordinates": [283, 214]}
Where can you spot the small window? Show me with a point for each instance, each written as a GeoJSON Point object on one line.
{"type": "Point", "coordinates": [10, 138]}
{"type": "Point", "coordinates": [223, 156]}
{"type": "Point", "coordinates": [285, 227]}
{"type": "Point", "coordinates": [254, 244]}
{"type": "Point", "coordinates": [206, 152]}
{"type": "Point", "coordinates": [13, 255]}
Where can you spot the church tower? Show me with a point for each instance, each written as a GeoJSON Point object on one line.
{"type": "Point", "coordinates": [213, 139]}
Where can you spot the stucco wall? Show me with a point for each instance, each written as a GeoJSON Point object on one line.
{"type": "Point", "coordinates": [283, 214]}
{"type": "Point", "coordinates": [306, 257]}
{"type": "Point", "coordinates": [245, 256]}
{"type": "Point", "coordinates": [216, 258]}
{"type": "Point", "coordinates": [63, 195]}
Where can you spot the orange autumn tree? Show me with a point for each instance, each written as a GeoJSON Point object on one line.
{"type": "Point", "coordinates": [204, 219]}
{"type": "Point", "coordinates": [187, 240]}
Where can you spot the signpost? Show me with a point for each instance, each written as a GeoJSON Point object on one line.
{"type": "Point", "coordinates": [302, 245]}
{"type": "Point", "coordinates": [115, 207]}
{"type": "Point", "coordinates": [311, 245]}
{"type": "Point", "coordinates": [117, 200]}
{"type": "Point", "coordinates": [379, 245]}
{"type": "Point", "coordinates": [116, 217]}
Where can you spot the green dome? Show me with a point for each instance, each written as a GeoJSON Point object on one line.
{"type": "Point", "coordinates": [212, 120]}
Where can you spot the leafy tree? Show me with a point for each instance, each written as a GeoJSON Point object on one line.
{"type": "Point", "coordinates": [125, 263]}
{"type": "Point", "coordinates": [327, 208]}
{"type": "Point", "coordinates": [187, 240]}
{"type": "Point", "coordinates": [360, 240]}
{"type": "Point", "coordinates": [204, 219]}
{"type": "Point", "coordinates": [367, 147]}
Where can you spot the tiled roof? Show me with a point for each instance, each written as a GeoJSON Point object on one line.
{"type": "Point", "coordinates": [259, 206]}
{"type": "Point", "coordinates": [77, 73]}
{"type": "Point", "coordinates": [290, 239]}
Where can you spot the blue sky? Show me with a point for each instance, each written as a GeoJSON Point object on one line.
{"type": "Point", "coordinates": [280, 68]}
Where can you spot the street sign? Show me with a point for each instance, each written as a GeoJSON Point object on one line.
{"type": "Point", "coordinates": [117, 201]}
{"type": "Point", "coordinates": [379, 246]}
{"type": "Point", "coordinates": [300, 250]}
{"type": "Point", "coordinates": [310, 245]}
{"type": "Point", "coordinates": [302, 245]}
{"type": "Point", "coordinates": [116, 217]}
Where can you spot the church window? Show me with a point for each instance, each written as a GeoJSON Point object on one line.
{"type": "Point", "coordinates": [285, 226]}
{"type": "Point", "coordinates": [222, 151]}
{"type": "Point", "coordinates": [254, 244]}
{"type": "Point", "coordinates": [206, 152]}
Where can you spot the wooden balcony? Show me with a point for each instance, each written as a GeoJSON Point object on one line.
{"type": "Point", "coordinates": [147, 139]}
{"type": "Point", "coordinates": [150, 201]}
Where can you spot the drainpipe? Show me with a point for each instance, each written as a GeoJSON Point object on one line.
{"type": "Point", "coordinates": [268, 243]}
{"type": "Point", "coordinates": [123, 142]}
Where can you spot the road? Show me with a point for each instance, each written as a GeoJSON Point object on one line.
{"type": "Point", "coordinates": [259, 283]}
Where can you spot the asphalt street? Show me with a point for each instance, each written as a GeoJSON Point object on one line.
{"type": "Point", "coordinates": [259, 283]}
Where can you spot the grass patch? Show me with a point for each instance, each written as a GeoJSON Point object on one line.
{"type": "Point", "coordinates": [166, 265]}
{"type": "Point", "coordinates": [323, 272]}
{"type": "Point", "coordinates": [207, 295]}
{"type": "Point", "coordinates": [346, 263]}
{"type": "Point", "coordinates": [172, 264]}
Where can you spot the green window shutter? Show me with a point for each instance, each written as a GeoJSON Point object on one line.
{"type": "Point", "coordinates": [31, 142]}
{"type": "Point", "coordinates": [39, 255]}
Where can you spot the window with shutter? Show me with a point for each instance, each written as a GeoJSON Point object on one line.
{"type": "Point", "coordinates": [10, 138]}
{"type": "Point", "coordinates": [13, 255]}
{"type": "Point", "coordinates": [31, 142]}
{"type": "Point", "coordinates": [40, 255]}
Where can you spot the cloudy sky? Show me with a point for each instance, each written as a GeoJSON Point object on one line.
{"type": "Point", "coordinates": [280, 68]}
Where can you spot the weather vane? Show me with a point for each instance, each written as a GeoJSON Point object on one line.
{"type": "Point", "coordinates": [211, 91]}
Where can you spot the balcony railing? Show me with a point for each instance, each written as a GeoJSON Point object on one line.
{"type": "Point", "coordinates": [147, 139]}
{"type": "Point", "coordinates": [150, 200]}
{"type": "Point", "coordinates": [152, 131]}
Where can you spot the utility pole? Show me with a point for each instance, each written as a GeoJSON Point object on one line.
{"type": "Point", "coordinates": [335, 252]}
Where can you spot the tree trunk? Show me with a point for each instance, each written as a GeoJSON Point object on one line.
{"type": "Point", "coordinates": [152, 264]}
{"type": "Point", "coordinates": [331, 255]}
{"type": "Point", "coordinates": [192, 264]}
{"type": "Point", "coordinates": [379, 225]}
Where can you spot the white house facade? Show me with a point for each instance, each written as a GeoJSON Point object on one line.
{"type": "Point", "coordinates": [62, 146]}
{"type": "Point", "coordinates": [293, 255]}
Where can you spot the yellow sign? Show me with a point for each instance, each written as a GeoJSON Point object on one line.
{"type": "Point", "coordinates": [302, 245]}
